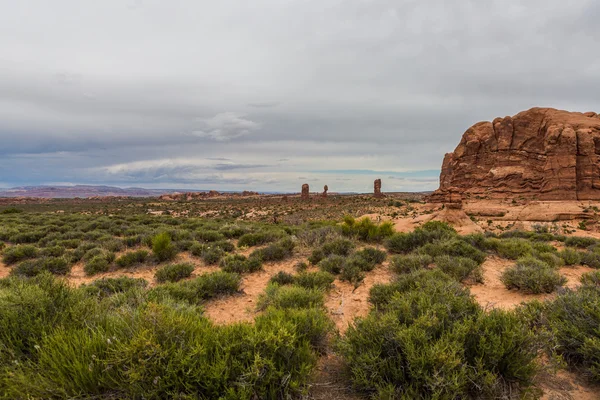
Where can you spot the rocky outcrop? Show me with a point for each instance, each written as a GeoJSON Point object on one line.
{"type": "Point", "coordinates": [377, 188]}
{"type": "Point", "coordinates": [541, 153]}
{"type": "Point", "coordinates": [305, 192]}
{"type": "Point", "coordinates": [325, 189]}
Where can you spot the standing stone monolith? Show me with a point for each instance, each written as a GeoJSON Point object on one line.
{"type": "Point", "coordinates": [325, 189]}
{"type": "Point", "coordinates": [377, 188]}
{"type": "Point", "coordinates": [305, 192]}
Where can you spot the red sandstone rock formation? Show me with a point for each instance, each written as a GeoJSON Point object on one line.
{"type": "Point", "coordinates": [377, 188]}
{"type": "Point", "coordinates": [541, 153]}
{"type": "Point", "coordinates": [325, 189]}
{"type": "Point", "coordinates": [305, 192]}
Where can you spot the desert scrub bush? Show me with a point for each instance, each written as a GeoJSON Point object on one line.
{"type": "Point", "coordinates": [332, 264]}
{"type": "Point", "coordinates": [99, 263]}
{"type": "Point", "coordinates": [429, 339]}
{"type": "Point", "coordinates": [11, 210]}
{"type": "Point", "coordinates": [315, 280]}
{"type": "Point", "coordinates": [197, 290]}
{"type": "Point", "coordinates": [283, 278]}
{"type": "Point", "coordinates": [460, 268]}
{"type": "Point", "coordinates": [353, 273]}
{"type": "Point", "coordinates": [240, 264]}
{"type": "Point", "coordinates": [276, 251]}
{"type": "Point", "coordinates": [108, 286]}
{"type": "Point", "coordinates": [430, 232]}
{"type": "Point", "coordinates": [53, 251]}
{"type": "Point", "coordinates": [162, 247]}
{"type": "Point", "coordinates": [189, 363]}
{"type": "Point", "coordinates": [212, 255]}
{"type": "Point", "coordinates": [256, 239]}
{"type": "Point", "coordinates": [371, 255]}
{"type": "Point", "coordinates": [453, 247]}
{"type": "Point", "coordinates": [590, 279]}
{"type": "Point", "coordinates": [404, 264]}
{"type": "Point", "coordinates": [570, 256]}
{"type": "Point", "coordinates": [514, 248]}
{"type": "Point", "coordinates": [54, 265]}
{"type": "Point", "coordinates": [339, 247]}
{"type": "Point", "coordinates": [233, 231]}
{"type": "Point", "coordinates": [319, 236]}
{"type": "Point", "coordinates": [366, 230]}
{"type": "Point", "coordinates": [552, 259]}
{"type": "Point", "coordinates": [574, 318]}
{"type": "Point", "coordinates": [531, 275]}
{"type": "Point", "coordinates": [18, 253]}
{"type": "Point", "coordinates": [591, 259]}
{"type": "Point", "coordinates": [132, 258]}
{"type": "Point", "coordinates": [581, 242]}
{"type": "Point", "coordinates": [209, 236]}
{"type": "Point", "coordinates": [173, 273]}
{"type": "Point", "coordinates": [30, 309]}
{"type": "Point", "coordinates": [289, 297]}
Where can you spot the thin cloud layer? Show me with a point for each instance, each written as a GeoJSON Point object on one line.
{"type": "Point", "coordinates": [232, 95]}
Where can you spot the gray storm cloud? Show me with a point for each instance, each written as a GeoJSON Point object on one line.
{"type": "Point", "coordinates": [145, 92]}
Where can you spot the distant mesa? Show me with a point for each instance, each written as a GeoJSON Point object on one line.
{"type": "Point", "coordinates": [542, 153]}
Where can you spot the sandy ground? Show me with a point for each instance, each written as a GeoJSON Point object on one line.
{"type": "Point", "coordinates": [493, 294]}
{"type": "Point", "coordinates": [4, 270]}
{"type": "Point", "coordinates": [242, 307]}
{"type": "Point", "coordinates": [345, 303]}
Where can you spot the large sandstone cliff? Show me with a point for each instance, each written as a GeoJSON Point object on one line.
{"type": "Point", "coordinates": [542, 153]}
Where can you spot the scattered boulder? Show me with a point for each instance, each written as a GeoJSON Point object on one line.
{"type": "Point", "coordinates": [305, 192]}
{"type": "Point", "coordinates": [542, 153]}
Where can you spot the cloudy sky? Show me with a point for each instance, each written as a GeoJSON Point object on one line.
{"type": "Point", "coordinates": [269, 94]}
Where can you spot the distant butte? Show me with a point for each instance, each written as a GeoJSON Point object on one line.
{"type": "Point", "coordinates": [542, 154]}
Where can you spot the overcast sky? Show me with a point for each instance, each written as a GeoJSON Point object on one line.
{"type": "Point", "coordinates": [269, 94]}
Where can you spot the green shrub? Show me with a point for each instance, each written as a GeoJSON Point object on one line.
{"type": "Point", "coordinates": [224, 245]}
{"type": "Point", "coordinates": [371, 255]}
{"type": "Point", "coordinates": [460, 268]}
{"type": "Point", "coordinates": [531, 275]}
{"type": "Point", "coordinates": [428, 233]}
{"type": "Point", "coordinates": [289, 297]}
{"type": "Point", "coordinates": [353, 273]}
{"type": "Point", "coordinates": [108, 286]}
{"type": "Point", "coordinates": [212, 255]}
{"type": "Point", "coordinates": [404, 264]}
{"type": "Point", "coordinates": [162, 247]}
{"type": "Point", "coordinates": [197, 290]}
{"type": "Point", "coordinates": [570, 256]}
{"type": "Point", "coordinates": [429, 339]}
{"type": "Point", "coordinates": [315, 280]}
{"type": "Point", "coordinates": [239, 264]}
{"type": "Point", "coordinates": [319, 236]}
{"type": "Point", "coordinates": [256, 239]}
{"type": "Point", "coordinates": [591, 279]}
{"type": "Point", "coordinates": [209, 236]}
{"type": "Point", "coordinates": [301, 266]}
{"type": "Point", "coordinates": [552, 259]}
{"type": "Point", "coordinates": [15, 254]}
{"type": "Point", "coordinates": [232, 232]}
{"type": "Point", "coordinates": [132, 258]}
{"type": "Point", "coordinates": [366, 230]}
{"type": "Point", "coordinates": [53, 251]}
{"type": "Point", "coordinates": [591, 259]}
{"type": "Point", "coordinates": [574, 318]}
{"type": "Point", "coordinates": [275, 252]}
{"type": "Point", "coordinates": [581, 242]}
{"type": "Point", "coordinates": [54, 265]}
{"type": "Point", "coordinates": [98, 264]}
{"type": "Point", "coordinates": [514, 248]}
{"type": "Point", "coordinates": [332, 264]}
{"type": "Point", "coordinates": [340, 247]}
{"type": "Point", "coordinates": [173, 273]}
{"type": "Point", "coordinates": [453, 247]}
{"type": "Point", "coordinates": [11, 210]}
{"type": "Point", "coordinates": [283, 278]}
